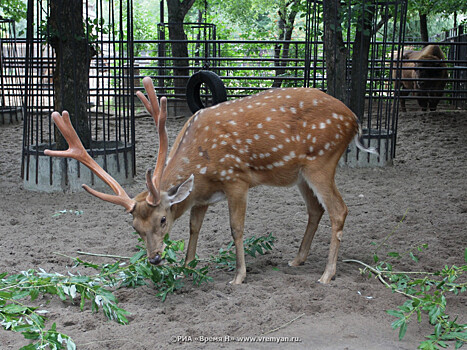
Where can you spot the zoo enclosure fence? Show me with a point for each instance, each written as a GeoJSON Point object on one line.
{"type": "Point", "coordinates": [245, 67]}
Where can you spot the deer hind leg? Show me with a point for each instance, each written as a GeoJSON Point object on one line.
{"type": "Point", "coordinates": [326, 191]}
{"type": "Point", "coordinates": [237, 200]}
{"type": "Point", "coordinates": [196, 220]}
{"type": "Point", "coordinates": [315, 212]}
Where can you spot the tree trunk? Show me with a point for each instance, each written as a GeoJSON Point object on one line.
{"type": "Point", "coordinates": [423, 27]}
{"type": "Point", "coordinates": [73, 57]}
{"type": "Point", "coordinates": [335, 51]}
{"type": "Point", "coordinates": [176, 12]}
{"type": "Point", "coordinates": [282, 51]}
{"type": "Point", "coordinates": [361, 49]}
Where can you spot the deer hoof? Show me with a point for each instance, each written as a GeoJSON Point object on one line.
{"type": "Point", "coordinates": [296, 262]}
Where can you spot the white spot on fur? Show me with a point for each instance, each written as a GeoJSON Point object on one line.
{"type": "Point", "coordinates": [256, 136]}
{"type": "Point", "coordinates": [259, 126]}
{"type": "Point", "coordinates": [322, 125]}
{"type": "Point", "coordinates": [203, 170]}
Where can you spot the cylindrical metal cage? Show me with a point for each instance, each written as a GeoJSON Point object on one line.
{"type": "Point", "coordinates": [109, 105]}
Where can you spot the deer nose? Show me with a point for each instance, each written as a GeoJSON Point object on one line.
{"type": "Point", "coordinates": [156, 260]}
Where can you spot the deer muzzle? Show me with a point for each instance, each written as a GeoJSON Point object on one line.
{"type": "Point", "coordinates": [156, 260]}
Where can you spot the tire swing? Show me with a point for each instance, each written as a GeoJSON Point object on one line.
{"type": "Point", "coordinates": [213, 82]}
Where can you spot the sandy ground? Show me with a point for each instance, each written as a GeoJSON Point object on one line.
{"type": "Point", "coordinates": [428, 179]}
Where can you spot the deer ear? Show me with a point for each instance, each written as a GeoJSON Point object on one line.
{"type": "Point", "coordinates": [179, 193]}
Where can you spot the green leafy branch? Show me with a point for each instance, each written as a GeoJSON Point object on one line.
{"type": "Point", "coordinates": [427, 294]}
{"type": "Point", "coordinates": [97, 289]}
{"type": "Point", "coordinates": [226, 258]}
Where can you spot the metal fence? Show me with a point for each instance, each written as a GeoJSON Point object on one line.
{"type": "Point", "coordinates": [245, 66]}
{"type": "Point", "coordinates": [249, 66]}
{"type": "Point", "coordinates": [11, 74]}
{"type": "Point", "coordinates": [110, 110]}
{"type": "Point", "coordinates": [453, 44]}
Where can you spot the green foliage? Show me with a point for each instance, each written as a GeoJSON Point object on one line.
{"type": "Point", "coordinates": [69, 211]}
{"type": "Point", "coordinates": [92, 29]}
{"type": "Point", "coordinates": [13, 9]}
{"type": "Point", "coordinates": [427, 294]}
{"type": "Point", "coordinates": [226, 258]}
{"type": "Point", "coordinates": [96, 289]}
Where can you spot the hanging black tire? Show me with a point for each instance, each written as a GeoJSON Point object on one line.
{"type": "Point", "coordinates": [193, 87]}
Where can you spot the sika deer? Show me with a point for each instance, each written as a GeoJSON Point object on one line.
{"type": "Point", "coordinates": [279, 137]}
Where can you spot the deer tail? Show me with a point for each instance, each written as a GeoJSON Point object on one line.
{"type": "Point", "coordinates": [360, 145]}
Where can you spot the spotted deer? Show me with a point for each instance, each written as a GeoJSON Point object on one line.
{"type": "Point", "coordinates": [280, 137]}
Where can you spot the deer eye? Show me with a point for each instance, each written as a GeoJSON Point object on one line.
{"type": "Point", "coordinates": [163, 220]}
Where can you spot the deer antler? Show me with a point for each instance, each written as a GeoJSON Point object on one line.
{"type": "Point", "coordinates": [76, 151]}
{"type": "Point", "coordinates": [159, 114]}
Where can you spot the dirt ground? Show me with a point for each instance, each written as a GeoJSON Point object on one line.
{"type": "Point", "coordinates": [428, 179]}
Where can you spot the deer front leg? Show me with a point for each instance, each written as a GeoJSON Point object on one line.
{"type": "Point", "coordinates": [237, 199]}
{"type": "Point", "coordinates": [196, 220]}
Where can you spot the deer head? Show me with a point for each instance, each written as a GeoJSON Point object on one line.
{"type": "Point", "coordinates": [151, 209]}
